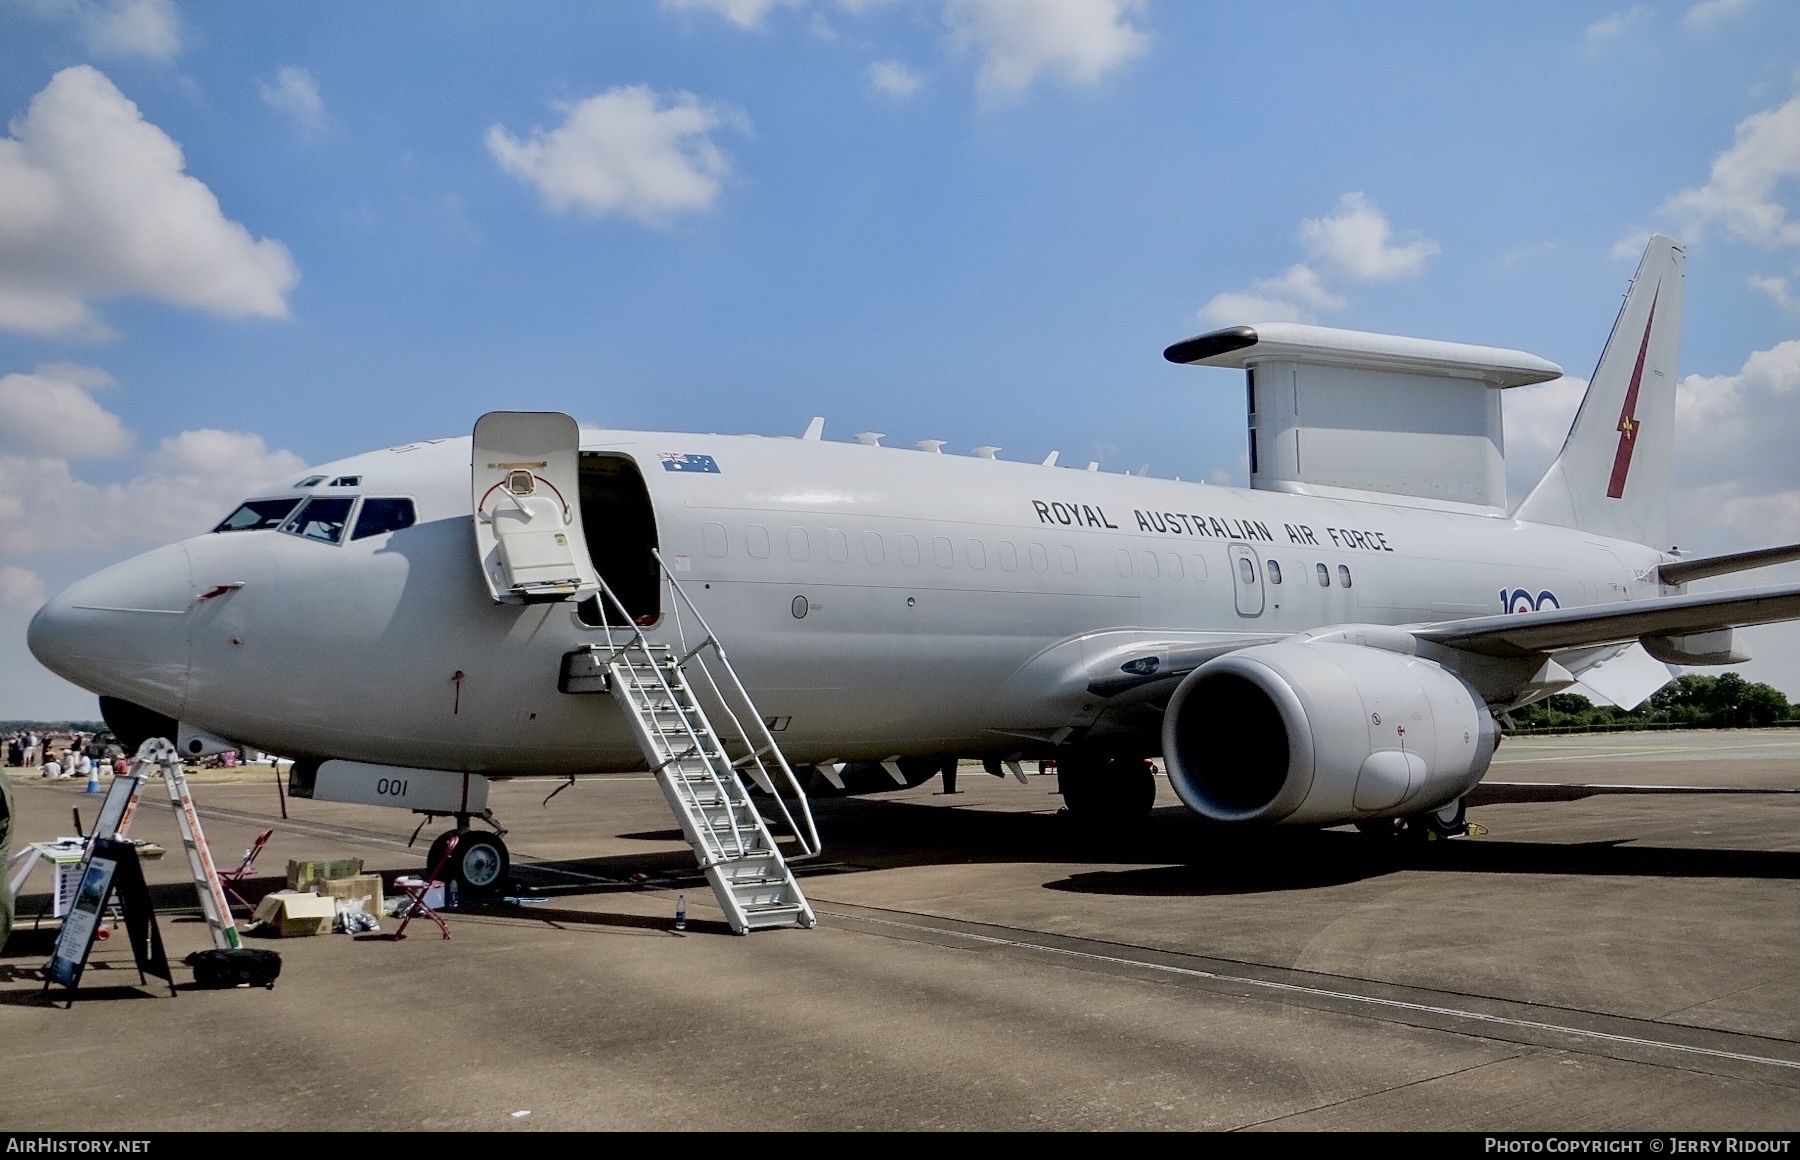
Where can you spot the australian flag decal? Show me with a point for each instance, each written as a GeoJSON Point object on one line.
{"type": "Point", "coordinates": [672, 461]}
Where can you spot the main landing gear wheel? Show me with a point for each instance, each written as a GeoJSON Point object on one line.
{"type": "Point", "coordinates": [1106, 790]}
{"type": "Point", "coordinates": [1447, 821]}
{"type": "Point", "coordinates": [478, 867]}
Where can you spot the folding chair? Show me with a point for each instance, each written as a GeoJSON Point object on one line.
{"type": "Point", "coordinates": [230, 878]}
{"type": "Point", "coordinates": [417, 893]}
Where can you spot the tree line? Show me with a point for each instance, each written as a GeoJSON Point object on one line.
{"type": "Point", "coordinates": [1691, 701]}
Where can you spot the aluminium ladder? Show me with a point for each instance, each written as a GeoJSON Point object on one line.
{"type": "Point", "coordinates": [751, 879]}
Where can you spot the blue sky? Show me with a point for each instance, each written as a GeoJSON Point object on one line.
{"type": "Point", "coordinates": [972, 220]}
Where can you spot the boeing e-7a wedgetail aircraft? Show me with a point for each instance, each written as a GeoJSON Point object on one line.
{"type": "Point", "coordinates": [1330, 645]}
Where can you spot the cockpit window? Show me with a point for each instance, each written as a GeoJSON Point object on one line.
{"type": "Point", "coordinates": [256, 514]}
{"type": "Point", "coordinates": [383, 515]}
{"type": "Point", "coordinates": [347, 481]}
{"type": "Point", "coordinates": [311, 481]}
{"type": "Point", "coordinates": [321, 519]}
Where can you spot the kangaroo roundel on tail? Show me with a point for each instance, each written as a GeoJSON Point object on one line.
{"type": "Point", "coordinates": [1612, 477]}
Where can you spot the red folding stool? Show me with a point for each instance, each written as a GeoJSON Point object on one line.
{"type": "Point", "coordinates": [417, 894]}
{"type": "Point", "coordinates": [230, 878]}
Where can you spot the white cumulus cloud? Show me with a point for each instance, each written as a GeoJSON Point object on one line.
{"type": "Point", "coordinates": [20, 588]}
{"type": "Point", "coordinates": [893, 79]}
{"type": "Point", "coordinates": [625, 151]}
{"type": "Point", "coordinates": [1777, 290]}
{"type": "Point", "coordinates": [1536, 420]}
{"type": "Point", "coordinates": [1610, 28]}
{"type": "Point", "coordinates": [1710, 12]}
{"type": "Point", "coordinates": [121, 28]}
{"type": "Point", "coordinates": [296, 94]}
{"type": "Point", "coordinates": [747, 14]}
{"type": "Point", "coordinates": [1356, 239]}
{"type": "Point", "coordinates": [1355, 244]}
{"type": "Point", "coordinates": [1740, 194]}
{"type": "Point", "coordinates": [94, 203]}
{"type": "Point", "coordinates": [48, 414]}
{"type": "Point", "coordinates": [1284, 299]}
{"type": "Point", "coordinates": [1078, 41]}
{"type": "Point", "coordinates": [182, 487]}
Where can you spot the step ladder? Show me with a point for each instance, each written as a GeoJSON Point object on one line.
{"type": "Point", "coordinates": [159, 757]}
{"type": "Point", "coordinates": [674, 701]}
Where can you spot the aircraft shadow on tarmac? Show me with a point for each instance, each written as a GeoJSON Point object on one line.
{"type": "Point", "coordinates": [1199, 859]}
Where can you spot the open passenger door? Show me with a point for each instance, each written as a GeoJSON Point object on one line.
{"type": "Point", "coordinates": [525, 480]}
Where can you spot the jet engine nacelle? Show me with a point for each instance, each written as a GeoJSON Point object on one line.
{"type": "Point", "coordinates": [1323, 733]}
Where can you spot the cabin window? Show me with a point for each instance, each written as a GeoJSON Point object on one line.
{"type": "Point", "coordinates": [1174, 565]}
{"type": "Point", "coordinates": [1199, 563]}
{"type": "Point", "coordinates": [1066, 555]}
{"type": "Point", "coordinates": [1274, 571]}
{"type": "Point", "coordinates": [799, 549]}
{"type": "Point", "coordinates": [874, 550]}
{"type": "Point", "coordinates": [1246, 570]}
{"type": "Point", "coordinates": [1040, 559]}
{"type": "Point", "coordinates": [1123, 558]}
{"type": "Point", "coordinates": [1151, 568]}
{"type": "Point", "coordinates": [257, 514]}
{"type": "Point", "coordinates": [321, 519]}
{"type": "Point", "coordinates": [977, 554]}
{"type": "Point", "coordinates": [1324, 576]}
{"type": "Point", "coordinates": [837, 546]}
{"type": "Point", "coordinates": [909, 549]}
{"type": "Point", "coordinates": [940, 547]}
{"type": "Point", "coordinates": [756, 541]}
{"type": "Point", "coordinates": [383, 515]}
{"type": "Point", "coordinates": [1344, 575]}
{"type": "Point", "coordinates": [1009, 556]}
{"type": "Point", "coordinates": [714, 539]}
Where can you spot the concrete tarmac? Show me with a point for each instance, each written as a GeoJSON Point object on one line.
{"type": "Point", "coordinates": [1606, 962]}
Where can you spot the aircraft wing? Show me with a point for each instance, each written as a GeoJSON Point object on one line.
{"type": "Point", "coordinates": [1528, 633]}
{"type": "Point", "coordinates": [1493, 793]}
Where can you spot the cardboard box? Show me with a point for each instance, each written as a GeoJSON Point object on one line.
{"type": "Point", "coordinates": [304, 874]}
{"type": "Point", "coordinates": [356, 887]}
{"type": "Point", "coordinates": [292, 914]}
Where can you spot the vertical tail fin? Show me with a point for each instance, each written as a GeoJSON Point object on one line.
{"type": "Point", "coordinates": [1612, 477]}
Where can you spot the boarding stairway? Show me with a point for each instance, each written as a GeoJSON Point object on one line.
{"type": "Point", "coordinates": [676, 702]}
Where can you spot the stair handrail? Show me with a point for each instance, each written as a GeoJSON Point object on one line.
{"type": "Point", "coordinates": [698, 744]}
{"type": "Point", "coordinates": [810, 844]}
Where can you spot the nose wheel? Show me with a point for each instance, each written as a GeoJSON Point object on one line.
{"type": "Point", "coordinates": [480, 864]}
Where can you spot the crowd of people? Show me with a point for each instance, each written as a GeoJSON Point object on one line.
{"type": "Point", "coordinates": [60, 756]}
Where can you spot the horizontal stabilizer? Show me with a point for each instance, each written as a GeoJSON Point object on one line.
{"type": "Point", "coordinates": [1526, 633]}
{"type": "Point", "coordinates": [1683, 571]}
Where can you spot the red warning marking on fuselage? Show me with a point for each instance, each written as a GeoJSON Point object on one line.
{"type": "Point", "coordinates": [1628, 421]}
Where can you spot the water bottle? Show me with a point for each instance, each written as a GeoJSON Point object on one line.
{"type": "Point", "coordinates": [681, 912]}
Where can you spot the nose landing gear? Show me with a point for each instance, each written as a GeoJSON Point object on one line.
{"type": "Point", "coordinates": [481, 863]}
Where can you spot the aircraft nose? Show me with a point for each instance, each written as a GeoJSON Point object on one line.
{"type": "Point", "coordinates": [123, 632]}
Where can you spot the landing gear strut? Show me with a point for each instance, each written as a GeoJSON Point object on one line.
{"type": "Point", "coordinates": [1106, 790]}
